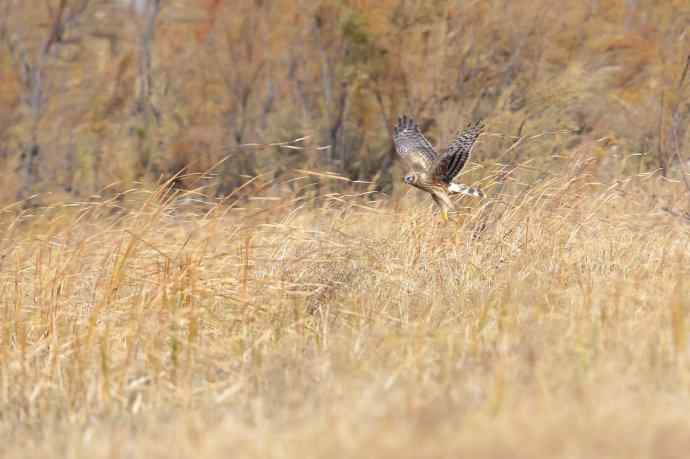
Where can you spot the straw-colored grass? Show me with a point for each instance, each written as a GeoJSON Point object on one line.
{"type": "Point", "coordinates": [549, 320]}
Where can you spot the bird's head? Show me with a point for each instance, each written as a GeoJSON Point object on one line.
{"type": "Point", "coordinates": [410, 178]}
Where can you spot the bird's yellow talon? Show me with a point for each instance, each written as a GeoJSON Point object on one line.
{"type": "Point", "coordinates": [444, 214]}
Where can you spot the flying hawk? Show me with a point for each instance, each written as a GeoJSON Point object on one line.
{"type": "Point", "coordinates": [430, 171]}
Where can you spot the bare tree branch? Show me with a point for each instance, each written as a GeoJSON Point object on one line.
{"type": "Point", "coordinates": [147, 34]}
{"type": "Point", "coordinates": [31, 75]}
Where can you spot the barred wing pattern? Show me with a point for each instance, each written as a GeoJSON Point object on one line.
{"type": "Point", "coordinates": [457, 153]}
{"type": "Point", "coordinates": [412, 146]}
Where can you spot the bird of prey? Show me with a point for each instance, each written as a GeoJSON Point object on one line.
{"type": "Point", "coordinates": [430, 171]}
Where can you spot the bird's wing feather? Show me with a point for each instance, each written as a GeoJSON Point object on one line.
{"type": "Point", "coordinates": [457, 153]}
{"type": "Point", "coordinates": [412, 146]}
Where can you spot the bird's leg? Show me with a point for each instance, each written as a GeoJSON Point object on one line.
{"type": "Point", "coordinates": [444, 203]}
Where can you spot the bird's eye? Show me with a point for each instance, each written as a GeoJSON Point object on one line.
{"type": "Point", "coordinates": [408, 179]}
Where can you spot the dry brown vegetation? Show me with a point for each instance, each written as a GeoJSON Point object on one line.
{"type": "Point", "coordinates": [283, 296]}
{"type": "Point", "coordinates": [97, 96]}
{"type": "Point", "coordinates": [549, 321]}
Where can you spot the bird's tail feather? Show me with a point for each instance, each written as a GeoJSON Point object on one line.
{"type": "Point", "coordinates": [464, 189]}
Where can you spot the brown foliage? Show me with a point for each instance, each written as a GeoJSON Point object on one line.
{"type": "Point", "coordinates": [260, 72]}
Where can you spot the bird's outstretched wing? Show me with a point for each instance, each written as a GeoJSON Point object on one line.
{"type": "Point", "coordinates": [412, 146]}
{"type": "Point", "coordinates": [457, 153]}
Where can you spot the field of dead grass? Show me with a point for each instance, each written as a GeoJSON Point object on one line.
{"type": "Point", "coordinates": [549, 320]}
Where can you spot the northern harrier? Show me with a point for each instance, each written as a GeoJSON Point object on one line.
{"type": "Point", "coordinates": [431, 172]}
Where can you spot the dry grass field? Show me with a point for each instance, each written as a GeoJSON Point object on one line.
{"type": "Point", "coordinates": [207, 250]}
{"type": "Point", "coordinates": [549, 320]}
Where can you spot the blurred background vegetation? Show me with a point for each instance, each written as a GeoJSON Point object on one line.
{"type": "Point", "coordinates": [99, 95]}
